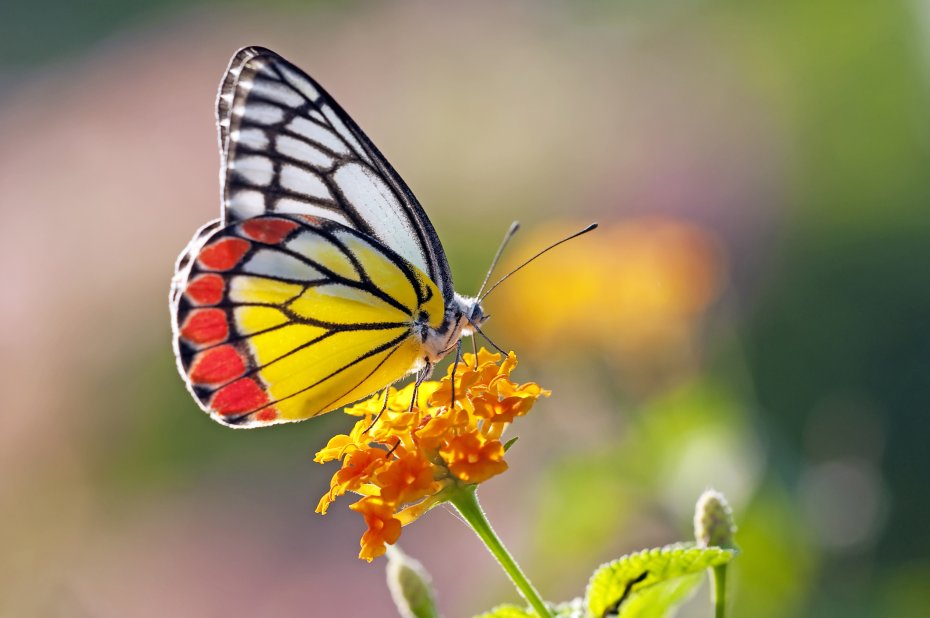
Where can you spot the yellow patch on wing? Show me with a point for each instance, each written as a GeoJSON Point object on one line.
{"type": "Point", "coordinates": [325, 253]}
{"type": "Point", "coordinates": [250, 289]}
{"type": "Point", "coordinates": [338, 370]}
{"type": "Point", "coordinates": [279, 343]}
{"type": "Point", "coordinates": [384, 273]}
{"type": "Point", "coordinates": [435, 307]}
{"type": "Point", "coordinates": [251, 320]}
{"type": "Point", "coordinates": [341, 304]}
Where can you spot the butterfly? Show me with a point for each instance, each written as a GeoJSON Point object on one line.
{"type": "Point", "coordinates": [323, 280]}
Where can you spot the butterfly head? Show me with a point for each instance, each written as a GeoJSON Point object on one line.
{"type": "Point", "coordinates": [470, 314]}
{"type": "Point", "coordinates": [477, 317]}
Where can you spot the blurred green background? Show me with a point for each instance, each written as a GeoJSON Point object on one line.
{"type": "Point", "coordinates": [752, 316]}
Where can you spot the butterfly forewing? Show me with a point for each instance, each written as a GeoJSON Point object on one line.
{"type": "Point", "coordinates": [280, 318]}
{"type": "Point", "coordinates": [288, 147]}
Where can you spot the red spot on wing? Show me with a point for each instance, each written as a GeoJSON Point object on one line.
{"type": "Point", "coordinates": [241, 396]}
{"type": "Point", "coordinates": [223, 254]}
{"type": "Point", "coordinates": [206, 289]}
{"type": "Point", "coordinates": [268, 231]}
{"type": "Point", "coordinates": [267, 415]}
{"type": "Point", "coordinates": [205, 326]}
{"type": "Point", "coordinates": [310, 219]}
{"type": "Point", "coordinates": [216, 365]}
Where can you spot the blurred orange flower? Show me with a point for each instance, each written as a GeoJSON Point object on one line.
{"type": "Point", "coordinates": [636, 290]}
{"type": "Point", "coordinates": [405, 461]}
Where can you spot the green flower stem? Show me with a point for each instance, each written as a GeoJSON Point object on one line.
{"type": "Point", "coordinates": [720, 590]}
{"type": "Point", "coordinates": [465, 500]}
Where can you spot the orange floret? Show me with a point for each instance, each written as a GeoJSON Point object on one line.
{"type": "Point", "coordinates": [383, 527]}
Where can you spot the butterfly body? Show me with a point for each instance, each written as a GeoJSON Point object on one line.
{"type": "Point", "coordinates": [323, 281]}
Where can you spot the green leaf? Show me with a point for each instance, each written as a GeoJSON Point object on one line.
{"type": "Point", "coordinates": [510, 443]}
{"type": "Point", "coordinates": [507, 611]}
{"type": "Point", "coordinates": [650, 583]}
{"type": "Point", "coordinates": [569, 609]}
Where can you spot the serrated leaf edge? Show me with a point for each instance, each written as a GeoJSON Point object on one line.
{"type": "Point", "coordinates": [646, 554]}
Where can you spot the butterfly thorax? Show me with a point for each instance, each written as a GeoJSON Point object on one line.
{"type": "Point", "coordinates": [463, 316]}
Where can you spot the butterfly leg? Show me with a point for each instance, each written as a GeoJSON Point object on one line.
{"type": "Point", "coordinates": [421, 376]}
{"type": "Point", "coordinates": [383, 408]}
{"type": "Point", "coordinates": [455, 367]}
{"type": "Point", "coordinates": [387, 390]}
{"type": "Point", "coordinates": [488, 339]}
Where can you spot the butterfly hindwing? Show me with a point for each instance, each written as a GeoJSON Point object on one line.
{"type": "Point", "coordinates": [288, 147]}
{"type": "Point", "coordinates": [282, 317]}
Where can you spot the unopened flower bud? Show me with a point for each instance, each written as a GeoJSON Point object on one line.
{"type": "Point", "coordinates": [410, 586]}
{"type": "Point", "coordinates": [713, 521]}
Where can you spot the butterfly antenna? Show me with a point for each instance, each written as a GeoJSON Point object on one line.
{"type": "Point", "coordinates": [497, 256]}
{"type": "Point", "coordinates": [590, 228]}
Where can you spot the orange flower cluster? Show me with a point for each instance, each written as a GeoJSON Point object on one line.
{"type": "Point", "coordinates": [404, 462]}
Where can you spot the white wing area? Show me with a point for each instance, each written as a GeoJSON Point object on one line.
{"type": "Point", "coordinates": [288, 147]}
{"type": "Point", "coordinates": [360, 186]}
